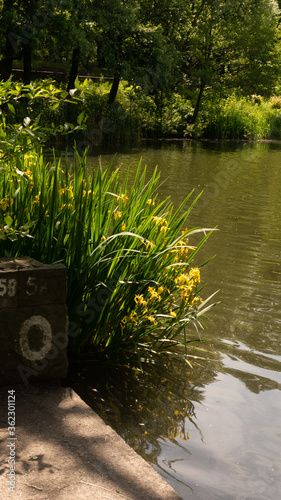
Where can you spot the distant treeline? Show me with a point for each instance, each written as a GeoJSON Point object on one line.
{"type": "Point", "coordinates": [200, 50]}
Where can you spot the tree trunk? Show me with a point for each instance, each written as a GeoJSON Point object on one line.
{"type": "Point", "coordinates": [6, 64]}
{"type": "Point", "coordinates": [114, 88]}
{"type": "Point", "coordinates": [27, 63]}
{"type": "Point", "coordinates": [198, 102]}
{"type": "Point", "coordinates": [11, 48]}
{"type": "Point", "coordinates": [74, 68]}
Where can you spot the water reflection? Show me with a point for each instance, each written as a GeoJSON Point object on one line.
{"type": "Point", "coordinates": [148, 407]}
{"type": "Point", "coordinates": [215, 432]}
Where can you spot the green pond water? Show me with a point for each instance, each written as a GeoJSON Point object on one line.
{"type": "Point", "coordinates": [214, 431]}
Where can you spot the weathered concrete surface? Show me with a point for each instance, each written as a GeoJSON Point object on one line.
{"type": "Point", "coordinates": [33, 321]}
{"type": "Point", "coordinates": [36, 283]}
{"type": "Point", "coordinates": [65, 451]}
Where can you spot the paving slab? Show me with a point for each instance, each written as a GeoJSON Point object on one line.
{"type": "Point", "coordinates": [63, 450]}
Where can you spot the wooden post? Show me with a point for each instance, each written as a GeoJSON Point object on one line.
{"type": "Point", "coordinates": [33, 321]}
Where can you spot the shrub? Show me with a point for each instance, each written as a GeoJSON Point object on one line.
{"type": "Point", "coordinates": [32, 114]}
{"type": "Point", "coordinates": [275, 101]}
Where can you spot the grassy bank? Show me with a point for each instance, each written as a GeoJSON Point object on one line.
{"type": "Point", "coordinates": [86, 117]}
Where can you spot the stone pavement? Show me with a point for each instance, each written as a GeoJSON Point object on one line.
{"type": "Point", "coordinates": [63, 450]}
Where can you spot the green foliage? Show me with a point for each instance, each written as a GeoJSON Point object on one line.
{"type": "Point", "coordinates": [234, 44]}
{"type": "Point", "coordinates": [243, 118]}
{"type": "Point", "coordinates": [114, 123]}
{"type": "Point", "coordinates": [31, 114]}
{"type": "Point", "coordinates": [133, 285]}
{"type": "Point", "coordinates": [199, 45]}
{"type": "Point", "coordinates": [34, 115]}
{"type": "Point", "coordinates": [177, 111]}
{"type": "Point", "coordinates": [275, 101]}
{"type": "Point", "coordinates": [237, 119]}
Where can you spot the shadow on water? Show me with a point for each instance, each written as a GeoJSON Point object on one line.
{"type": "Point", "coordinates": [213, 431]}
{"type": "Point", "coordinates": [144, 406]}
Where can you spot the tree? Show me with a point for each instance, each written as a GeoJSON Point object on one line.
{"type": "Point", "coordinates": [231, 44]}
{"type": "Point", "coordinates": [7, 24]}
{"type": "Point", "coordinates": [40, 26]}
{"type": "Point", "coordinates": [71, 31]}
{"type": "Point", "coordinates": [116, 24]}
{"type": "Point", "coordinates": [219, 44]}
{"type": "Point", "coordinates": [190, 46]}
{"type": "Point", "coordinates": [23, 24]}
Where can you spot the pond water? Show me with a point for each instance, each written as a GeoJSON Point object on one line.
{"type": "Point", "coordinates": [214, 431]}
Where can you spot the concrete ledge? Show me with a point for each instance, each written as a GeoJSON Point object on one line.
{"type": "Point", "coordinates": [65, 451]}
{"type": "Point", "coordinates": [33, 321]}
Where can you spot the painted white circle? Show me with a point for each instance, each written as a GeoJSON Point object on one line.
{"type": "Point", "coordinates": [46, 330]}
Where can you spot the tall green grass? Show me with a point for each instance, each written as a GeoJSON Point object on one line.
{"type": "Point", "coordinates": [239, 118]}
{"type": "Point", "coordinates": [133, 284]}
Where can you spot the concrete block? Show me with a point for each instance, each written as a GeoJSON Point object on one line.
{"type": "Point", "coordinates": [33, 321]}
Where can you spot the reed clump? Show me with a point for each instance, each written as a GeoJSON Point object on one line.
{"type": "Point", "coordinates": [134, 287]}
{"type": "Point", "coordinates": [243, 118]}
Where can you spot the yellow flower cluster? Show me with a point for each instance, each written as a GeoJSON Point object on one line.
{"type": "Point", "coordinates": [160, 221]}
{"type": "Point", "coordinates": [139, 300]}
{"type": "Point", "coordinates": [152, 320]}
{"type": "Point", "coordinates": [30, 159]}
{"type": "Point", "coordinates": [117, 215]}
{"type": "Point", "coordinates": [6, 203]}
{"type": "Point", "coordinates": [145, 307]}
{"type": "Point", "coordinates": [194, 274]}
{"type": "Point", "coordinates": [192, 277]}
{"type": "Point", "coordinates": [124, 198]}
{"type": "Point", "coordinates": [197, 299]}
{"type": "Point", "coordinates": [86, 192]}
{"type": "Point", "coordinates": [156, 294]}
{"type": "Point", "coordinates": [172, 313]}
{"type": "Point", "coordinates": [158, 305]}
{"type": "Point", "coordinates": [36, 199]}
{"type": "Point", "coordinates": [185, 291]}
{"type": "Point", "coordinates": [133, 316]}
{"type": "Point", "coordinates": [186, 283]}
{"type": "Point", "coordinates": [163, 229]}
{"type": "Point", "coordinates": [28, 173]}
{"type": "Point", "coordinates": [182, 279]}
{"type": "Point", "coordinates": [181, 249]}
{"type": "Point", "coordinates": [142, 306]}
{"type": "Point", "coordinates": [29, 156]}
{"type": "Point", "coordinates": [129, 320]}
{"type": "Point", "coordinates": [68, 190]}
